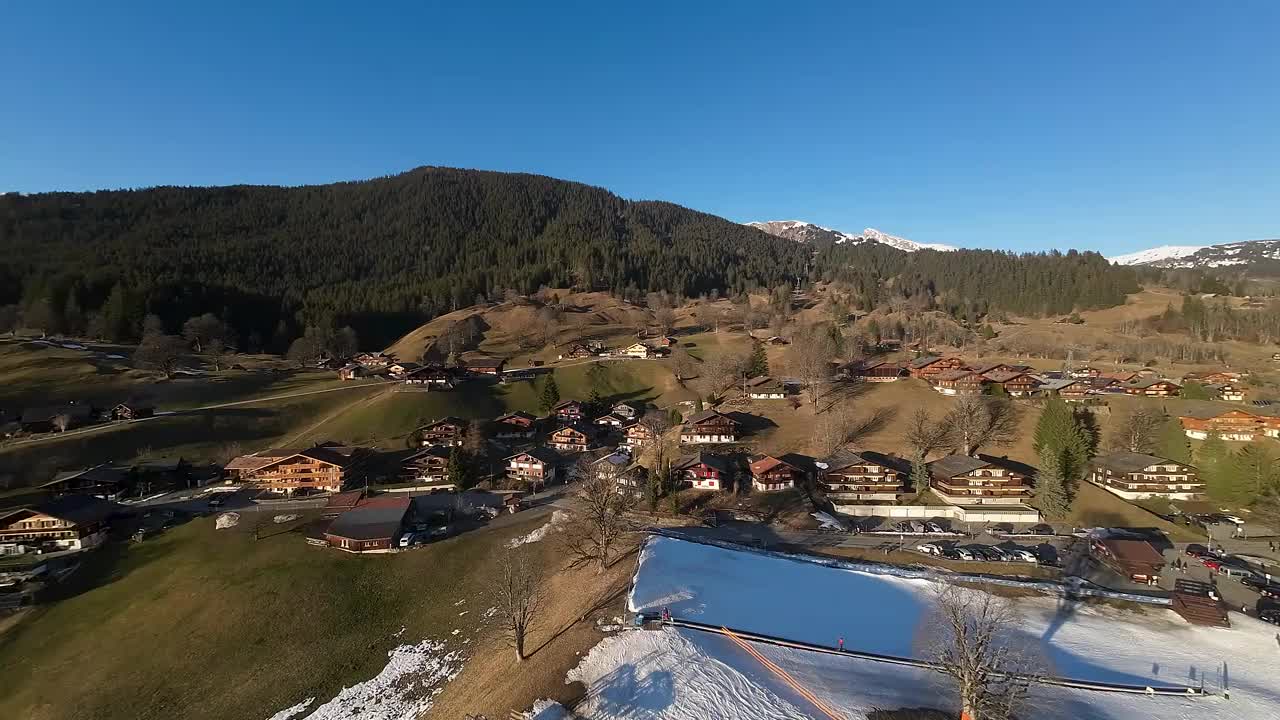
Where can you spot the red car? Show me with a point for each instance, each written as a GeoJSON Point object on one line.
{"type": "Point", "coordinates": [1211, 563]}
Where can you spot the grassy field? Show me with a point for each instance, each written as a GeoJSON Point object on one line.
{"type": "Point", "coordinates": [202, 436]}
{"type": "Point", "coordinates": [201, 623]}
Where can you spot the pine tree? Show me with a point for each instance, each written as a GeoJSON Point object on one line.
{"type": "Point", "coordinates": [550, 395]}
{"type": "Point", "coordinates": [1172, 442]}
{"type": "Point", "coordinates": [1252, 474]}
{"type": "Point", "coordinates": [1062, 432]}
{"type": "Point", "coordinates": [459, 469]}
{"type": "Point", "coordinates": [1214, 462]}
{"type": "Point", "coordinates": [757, 363]}
{"type": "Point", "coordinates": [1051, 492]}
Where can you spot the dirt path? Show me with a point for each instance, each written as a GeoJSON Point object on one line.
{"type": "Point", "coordinates": [103, 427]}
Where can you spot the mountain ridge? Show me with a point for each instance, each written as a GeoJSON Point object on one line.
{"type": "Point", "coordinates": [1261, 254]}
{"type": "Point", "coordinates": [806, 232]}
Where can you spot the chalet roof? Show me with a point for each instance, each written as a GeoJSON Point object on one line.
{"type": "Point", "coordinates": [1121, 375]}
{"type": "Point", "coordinates": [925, 361]}
{"type": "Point", "coordinates": [707, 415]}
{"type": "Point", "coordinates": [567, 403]}
{"type": "Point", "coordinates": [544, 454]}
{"type": "Point", "coordinates": [1102, 381]}
{"type": "Point", "coordinates": [410, 366]}
{"type": "Point", "coordinates": [77, 509]}
{"type": "Point", "coordinates": [345, 500]}
{"type": "Point", "coordinates": [1062, 384]}
{"type": "Point", "coordinates": [375, 520]}
{"type": "Point", "coordinates": [1143, 384]}
{"type": "Point", "coordinates": [101, 475]}
{"type": "Point", "coordinates": [340, 455]}
{"type": "Point", "coordinates": [769, 462]}
{"type": "Point", "coordinates": [769, 385]}
{"type": "Point", "coordinates": [436, 451]}
{"type": "Point", "coordinates": [951, 375]}
{"type": "Point", "coordinates": [956, 465]}
{"type": "Point", "coordinates": [988, 367]}
{"type": "Point", "coordinates": [1132, 551]}
{"type": "Point", "coordinates": [450, 419]}
{"type": "Point", "coordinates": [132, 405]}
{"type": "Point", "coordinates": [842, 459]}
{"type": "Point", "coordinates": [46, 414]}
{"type": "Point", "coordinates": [616, 459]}
{"type": "Point", "coordinates": [1003, 376]}
{"type": "Point", "coordinates": [518, 414]}
{"type": "Point", "coordinates": [715, 462]}
{"type": "Point", "coordinates": [759, 380]}
{"type": "Point", "coordinates": [1127, 462]}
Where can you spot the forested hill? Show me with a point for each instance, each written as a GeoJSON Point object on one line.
{"type": "Point", "coordinates": [381, 255]}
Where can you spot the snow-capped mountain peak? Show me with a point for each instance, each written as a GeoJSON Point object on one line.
{"type": "Point", "coordinates": [1156, 254]}
{"type": "Point", "coordinates": [806, 232]}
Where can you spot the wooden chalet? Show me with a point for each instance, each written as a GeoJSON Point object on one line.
{"type": "Point", "coordinates": [1153, 387]}
{"type": "Point", "coordinates": [637, 435]}
{"type": "Point", "coordinates": [636, 350]}
{"type": "Point", "coordinates": [1121, 376]}
{"type": "Point", "coordinates": [1137, 476]}
{"type": "Point", "coordinates": [1232, 425]}
{"type": "Point", "coordinates": [567, 411]}
{"type": "Point", "coordinates": [958, 382]}
{"type": "Point", "coordinates": [515, 426]}
{"type": "Point", "coordinates": [446, 431]}
{"type": "Point", "coordinates": [352, 371]}
{"type": "Point", "coordinates": [401, 370]}
{"type": "Point", "coordinates": [372, 526]}
{"type": "Point", "coordinates": [1000, 367]}
{"type": "Point", "coordinates": [573, 438]}
{"type": "Point", "coordinates": [1069, 389]}
{"type": "Point", "coordinates": [771, 474]}
{"type": "Point", "coordinates": [577, 351]}
{"type": "Point", "coordinates": [485, 365]}
{"type": "Point", "coordinates": [709, 427]}
{"type": "Point", "coordinates": [536, 467]}
{"type": "Point", "coordinates": [765, 388]}
{"type": "Point", "coordinates": [323, 468]}
{"type": "Point", "coordinates": [611, 421]}
{"type": "Point", "coordinates": [112, 482]}
{"type": "Point", "coordinates": [1216, 376]}
{"type": "Point", "coordinates": [625, 410]}
{"type": "Point", "coordinates": [70, 522]}
{"type": "Point", "coordinates": [1228, 391]}
{"type": "Point", "coordinates": [377, 361]}
{"type": "Point", "coordinates": [1015, 383]}
{"type": "Point", "coordinates": [131, 411]}
{"type": "Point", "coordinates": [964, 480]}
{"type": "Point", "coordinates": [705, 471]}
{"type": "Point", "coordinates": [930, 365]}
{"type": "Point", "coordinates": [875, 371]}
{"type": "Point", "coordinates": [1102, 385]}
{"type": "Point", "coordinates": [860, 477]}
{"type": "Point", "coordinates": [1084, 372]}
{"type": "Point", "coordinates": [431, 376]}
{"type": "Point", "coordinates": [1135, 560]}
{"type": "Point", "coordinates": [428, 466]}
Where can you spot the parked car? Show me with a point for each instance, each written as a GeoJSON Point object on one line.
{"type": "Point", "coordinates": [916, 526]}
{"type": "Point", "coordinates": [933, 527]}
{"type": "Point", "coordinates": [1199, 551]}
{"type": "Point", "coordinates": [1211, 563]}
{"type": "Point", "coordinates": [1271, 616]}
{"type": "Point", "coordinates": [1020, 555]}
{"type": "Point", "coordinates": [407, 539]}
{"type": "Point", "coordinates": [930, 549]}
{"type": "Point", "coordinates": [1263, 587]}
{"type": "Point", "coordinates": [960, 554]}
{"type": "Point", "coordinates": [1235, 571]}
{"type": "Point", "coordinates": [1041, 529]}
{"type": "Point", "coordinates": [1000, 529]}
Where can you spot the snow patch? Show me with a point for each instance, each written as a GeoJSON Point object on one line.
{"type": "Point", "coordinates": [557, 518]}
{"type": "Point", "coordinates": [548, 710]}
{"type": "Point", "coordinates": [1164, 252]}
{"type": "Point", "coordinates": [414, 674]}
{"type": "Point", "coordinates": [289, 712]}
{"type": "Point", "coordinates": [226, 520]}
{"type": "Point", "coordinates": [281, 519]}
{"type": "Point", "coordinates": [828, 521]}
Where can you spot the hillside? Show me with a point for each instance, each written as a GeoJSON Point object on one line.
{"type": "Point", "coordinates": [1261, 257]}
{"type": "Point", "coordinates": [381, 255]}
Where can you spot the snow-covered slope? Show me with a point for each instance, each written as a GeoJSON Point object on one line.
{"type": "Point", "coordinates": [806, 232]}
{"type": "Point", "coordinates": [686, 675]}
{"type": "Point", "coordinates": [1153, 255]}
{"type": "Point", "coordinates": [1252, 254]}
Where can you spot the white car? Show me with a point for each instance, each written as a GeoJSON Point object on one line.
{"type": "Point", "coordinates": [963, 554]}
{"type": "Point", "coordinates": [929, 549]}
{"type": "Point", "coordinates": [1020, 554]}
{"type": "Point", "coordinates": [407, 539]}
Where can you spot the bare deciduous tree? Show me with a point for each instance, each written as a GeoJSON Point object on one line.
{"type": "Point", "coordinates": [977, 421]}
{"type": "Point", "coordinates": [809, 359]}
{"type": "Point", "coordinates": [520, 597]}
{"type": "Point", "coordinates": [683, 364]}
{"type": "Point", "coordinates": [923, 435]}
{"type": "Point", "coordinates": [719, 371]}
{"type": "Point", "coordinates": [62, 422]}
{"type": "Point", "coordinates": [657, 423]}
{"type": "Point", "coordinates": [974, 642]}
{"type": "Point", "coordinates": [1139, 431]}
{"type": "Point", "coordinates": [602, 518]}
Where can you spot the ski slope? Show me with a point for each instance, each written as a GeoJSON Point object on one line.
{"type": "Point", "coordinates": [680, 674]}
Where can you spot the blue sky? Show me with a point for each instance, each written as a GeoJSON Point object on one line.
{"type": "Point", "coordinates": [1011, 125]}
